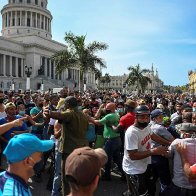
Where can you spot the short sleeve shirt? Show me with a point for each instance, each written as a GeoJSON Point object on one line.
{"type": "Point", "coordinates": [127, 120]}
{"type": "Point", "coordinates": [13, 185]}
{"type": "Point", "coordinates": [179, 177]}
{"type": "Point", "coordinates": [136, 139]}
{"type": "Point", "coordinates": [107, 121]}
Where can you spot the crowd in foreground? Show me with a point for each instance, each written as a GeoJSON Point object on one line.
{"type": "Point", "coordinates": [149, 138]}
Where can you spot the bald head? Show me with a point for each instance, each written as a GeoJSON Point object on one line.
{"type": "Point", "coordinates": [111, 107]}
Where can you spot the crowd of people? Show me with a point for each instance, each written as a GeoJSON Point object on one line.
{"type": "Point", "coordinates": [147, 138]}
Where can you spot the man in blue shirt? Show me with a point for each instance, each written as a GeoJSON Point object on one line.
{"type": "Point", "coordinates": [22, 152]}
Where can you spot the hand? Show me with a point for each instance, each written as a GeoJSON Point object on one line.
{"type": "Point", "coordinates": [181, 148]}
{"type": "Point", "coordinates": [102, 106]}
{"type": "Point", "coordinates": [46, 112]}
{"type": "Point", "coordinates": [18, 122]}
{"type": "Point", "coordinates": [160, 150]}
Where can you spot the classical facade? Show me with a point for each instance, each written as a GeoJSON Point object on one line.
{"type": "Point", "coordinates": [118, 83]}
{"type": "Point", "coordinates": [26, 47]}
{"type": "Point", "coordinates": [192, 82]}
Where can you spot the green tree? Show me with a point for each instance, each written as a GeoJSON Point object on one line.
{"type": "Point", "coordinates": [107, 79]}
{"type": "Point", "coordinates": [80, 55]}
{"type": "Point", "coordinates": [137, 77]}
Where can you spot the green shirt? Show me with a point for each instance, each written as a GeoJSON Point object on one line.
{"type": "Point", "coordinates": [75, 126]}
{"type": "Point", "coordinates": [107, 121]}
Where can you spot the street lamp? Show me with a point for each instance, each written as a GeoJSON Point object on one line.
{"type": "Point", "coordinates": [12, 85]}
{"type": "Point", "coordinates": [28, 72]}
{"type": "Point", "coordinates": [84, 83]}
{"type": "Point", "coordinates": [42, 86]}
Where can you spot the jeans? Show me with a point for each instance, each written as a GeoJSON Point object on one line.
{"type": "Point", "coordinates": [112, 149]}
{"type": "Point", "coordinates": [57, 175]}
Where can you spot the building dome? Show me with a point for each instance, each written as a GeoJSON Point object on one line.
{"type": "Point", "coordinates": [26, 17]}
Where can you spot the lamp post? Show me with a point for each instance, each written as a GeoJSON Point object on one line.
{"type": "Point", "coordinates": [12, 85]}
{"type": "Point", "coordinates": [42, 86]}
{"type": "Point", "coordinates": [84, 83]}
{"type": "Point", "coordinates": [28, 72]}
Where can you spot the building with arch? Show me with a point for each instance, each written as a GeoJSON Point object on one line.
{"type": "Point", "coordinates": [26, 42]}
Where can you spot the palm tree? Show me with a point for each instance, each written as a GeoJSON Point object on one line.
{"type": "Point", "coordinates": [102, 80]}
{"type": "Point", "coordinates": [137, 77]}
{"type": "Point", "coordinates": [107, 79]}
{"type": "Point", "coordinates": [80, 55]}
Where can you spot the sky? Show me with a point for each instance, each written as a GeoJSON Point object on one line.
{"type": "Point", "coordinates": [145, 32]}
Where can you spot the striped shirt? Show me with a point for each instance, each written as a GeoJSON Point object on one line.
{"type": "Point", "coordinates": [13, 185]}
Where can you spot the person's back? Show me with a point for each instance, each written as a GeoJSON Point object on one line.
{"type": "Point", "coordinates": [75, 126]}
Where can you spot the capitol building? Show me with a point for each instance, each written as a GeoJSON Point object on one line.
{"type": "Point", "coordinates": [26, 48]}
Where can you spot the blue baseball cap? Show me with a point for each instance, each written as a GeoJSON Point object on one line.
{"type": "Point", "coordinates": [156, 113]}
{"type": "Point", "coordinates": [23, 145]}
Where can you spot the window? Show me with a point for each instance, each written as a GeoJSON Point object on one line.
{"type": "Point", "coordinates": [36, 2]}
{"type": "Point", "coordinates": [20, 1]}
{"type": "Point", "coordinates": [42, 4]}
{"type": "Point", "coordinates": [28, 1]}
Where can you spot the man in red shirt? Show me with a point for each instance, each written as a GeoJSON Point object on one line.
{"type": "Point", "coordinates": [126, 121]}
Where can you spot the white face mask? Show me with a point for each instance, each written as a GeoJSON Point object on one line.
{"type": "Point", "coordinates": [194, 109]}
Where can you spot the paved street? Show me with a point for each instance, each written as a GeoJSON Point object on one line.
{"type": "Point", "coordinates": [112, 188]}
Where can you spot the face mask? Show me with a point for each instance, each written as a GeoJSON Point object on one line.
{"type": "Point", "coordinates": [181, 135]}
{"type": "Point", "coordinates": [142, 124]}
{"type": "Point", "coordinates": [1, 100]}
{"type": "Point", "coordinates": [21, 112]}
{"type": "Point", "coordinates": [194, 109]}
{"type": "Point", "coordinates": [80, 108]}
{"type": "Point", "coordinates": [120, 110]}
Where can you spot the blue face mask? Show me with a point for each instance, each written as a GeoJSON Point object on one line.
{"type": "Point", "coordinates": [21, 112]}
{"type": "Point", "coordinates": [120, 110]}
{"type": "Point", "coordinates": [80, 108]}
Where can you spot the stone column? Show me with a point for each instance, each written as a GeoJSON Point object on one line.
{"type": "Point", "coordinates": [16, 67]}
{"type": "Point", "coordinates": [4, 67]}
{"type": "Point", "coordinates": [10, 66]}
{"type": "Point", "coordinates": [7, 14]}
{"type": "Point", "coordinates": [16, 18]}
{"type": "Point", "coordinates": [11, 19]}
{"type": "Point", "coordinates": [25, 18]}
{"type": "Point", "coordinates": [31, 23]}
{"type": "Point", "coordinates": [3, 22]}
{"type": "Point", "coordinates": [36, 20]}
{"type": "Point", "coordinates": [20, 18]}
{"type": "Point", "coordinates": [50, 68]}
{"type": "Point", "coordinates": [45, 67]}
{"type": "Point", "coordinates": [40, 22]}
{"type": "Point", "coordinates": [22, 68]}
{"type": "Point", "coordinates": [44, 22]}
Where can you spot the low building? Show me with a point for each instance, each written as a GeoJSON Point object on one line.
{"type": "Point", "coordinates": [118, 83]}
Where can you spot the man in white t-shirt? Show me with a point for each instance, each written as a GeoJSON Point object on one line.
{"type": "Point", "coordinates": [138, 151]}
